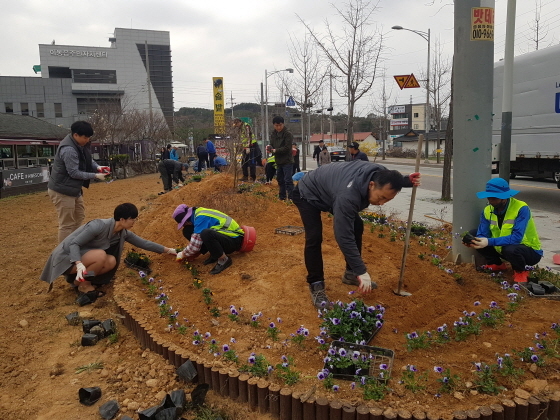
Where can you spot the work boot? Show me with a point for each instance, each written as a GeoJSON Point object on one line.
{"type": "Point", "coordinates": [350, 278]}
{"type": "Point", "coordinates": [495, 267]}
{"type": "Point", "coordinates": [318, 295]}
{"type": "Point", "coordinates": [520, 276]}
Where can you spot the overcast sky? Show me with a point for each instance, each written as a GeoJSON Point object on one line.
{"type": "Point", "coordinates": [238, 40]}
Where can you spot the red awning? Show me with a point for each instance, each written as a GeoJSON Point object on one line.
{"type": "Point", "coordinates": [29, 141]}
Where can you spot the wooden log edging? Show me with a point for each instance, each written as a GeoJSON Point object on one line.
{"type": "Point", "coordinates": [282, 403]}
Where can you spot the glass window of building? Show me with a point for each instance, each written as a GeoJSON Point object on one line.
{"type": "Point", "coordinates": [26, 150]}
{"type": "Point", "coordinates": [6, 152]}
{"type": "Point", "coordinates": [94, 76]}
{"type": "Point", "coordinates": [40, 110]}
{"type": "Point", "coordinates": [416, 115]}
{"type": "Point", "coordinates": [9, 107]}
{"type": "Point", "coordinates": [45, 151]}
{"type": "Point", "coordinates": [24, 108]}
{"type": "Point", "coordinates": [58, 110]}
{"type": "Point", "coordinates": [416, 126]}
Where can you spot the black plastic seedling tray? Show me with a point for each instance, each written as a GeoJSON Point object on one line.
{"type": "Point", "coordinates": [380, 356]}
{"type": "Point", "coordinates": [528, 288]}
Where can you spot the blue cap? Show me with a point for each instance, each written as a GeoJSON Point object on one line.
{"type": "Point", "coordinates": [497, 188]}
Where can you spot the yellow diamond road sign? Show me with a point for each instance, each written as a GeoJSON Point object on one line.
{"type": "Point", "coordinates": [407, 81]}
{"type": "Point", "coordinates": [411, 82]}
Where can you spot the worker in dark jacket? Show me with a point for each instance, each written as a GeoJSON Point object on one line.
{"type": "Point", "coordinates": [344, 190]}
{"type": "Point", "coordinates": [281, 141]}
{"type": "Point", "coordinates": [171, 171]}
{"type": "Point", "coordinates": [356, 153]}
{"type": "Point", "coordinates": [73, 169]}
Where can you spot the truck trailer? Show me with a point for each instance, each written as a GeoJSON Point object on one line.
{"type": "Point", "coordinates": [535, 136]}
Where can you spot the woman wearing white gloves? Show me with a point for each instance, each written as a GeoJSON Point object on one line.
{"type": "Point", "coordinates": [91, 254]}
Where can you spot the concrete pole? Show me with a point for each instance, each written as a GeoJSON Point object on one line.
{"type": "Point", "coordinates": [427, 149]}
{"type": "Point", "coordinates": [507, 99]}
{"type": "Point", "coordinates": [267, 132]}
{"type": "Point", "coordinates": [263, 133]}
{"type": "Point", "coordinates": [472, 123]}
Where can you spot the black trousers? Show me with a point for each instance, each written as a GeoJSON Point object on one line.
{"type": "Point", "coordinates": [248, 165]}
{"type": "Point", "coordinates": [202, 160]}
{"type": "Point", "coordinates": [517, 255]}
{"type": "Point", "coordinates": [165, 176]}
{"type": "Point", "coordinates": [219, 244]}
{"type": "Point", "coordinates": [313, 256]}
{"type": "Point", "coordinates": [211, 157]}
{"type": "Point", "coordinates": [270, 171]}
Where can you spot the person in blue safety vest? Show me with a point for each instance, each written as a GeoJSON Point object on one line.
{"type": "Point", "coordinates": [506, 231]}
{"type": "Point", "coordinates": [210, 231]}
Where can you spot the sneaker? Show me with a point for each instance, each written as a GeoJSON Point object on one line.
{"type": "Point", "coordinates": [495, 267]}
{"type": "Point", "coordinates": [350, 278]}
{"type": "Point", "coordinates": [318, 295]}
{"type": "Point", "coordinates": [520, 276]}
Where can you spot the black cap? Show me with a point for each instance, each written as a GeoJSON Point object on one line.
{"type": "Point", "coordinates": [354, 145]}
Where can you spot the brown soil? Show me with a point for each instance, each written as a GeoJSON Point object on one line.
{"type": "Point", "coordinates": [40, 351]}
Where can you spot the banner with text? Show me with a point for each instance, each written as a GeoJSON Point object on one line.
{"type": "Point", "coordinates": [26, 176]}
{"type": "Point", "coordinates": [219, 109]}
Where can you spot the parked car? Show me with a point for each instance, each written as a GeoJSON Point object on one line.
{"type": "Point", "coordinates": [337, 153]}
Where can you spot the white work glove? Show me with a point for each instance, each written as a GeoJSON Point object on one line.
{"type": "Point", "coordinates": [365, 283]}
{"type": "Point", "coordinates": [80, 271]}
{"type": "Point", "coordinates": [480, 243]}
{"type": "Point", "coordinates": [101, 177]}
{"type": "Point", "coordinates": [171, 251]}
{"type": "Point", "coordinates": [180, 256]}
{"type": "Point", "coordinates": [103, 169]}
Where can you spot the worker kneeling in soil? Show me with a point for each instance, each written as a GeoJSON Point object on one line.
{"type": "Point", "coordinates": [208, 231]}
{"type": "Point", "coordinates": [96, 248]}
{"type": "Point", "coordinates": [506, 231]}
{"type": "Point", "coordinates": [343, 189]}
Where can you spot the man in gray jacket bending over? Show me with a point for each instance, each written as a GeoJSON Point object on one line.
{"type": "Point", "coordinates": [344, 190]}
{"type": "Point", "coordinates": [96, 247]}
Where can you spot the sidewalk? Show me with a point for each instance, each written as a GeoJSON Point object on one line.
{"type": "Point", "coordinates": [429, 209]}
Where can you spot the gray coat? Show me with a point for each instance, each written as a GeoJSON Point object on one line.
{"type": "Point", "coordinates": [95, 234]}
{"type": "Point", "coordinates": [342, 189]}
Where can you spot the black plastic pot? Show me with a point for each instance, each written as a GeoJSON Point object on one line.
{"type": "Point", "coordinates": [109, 409]}
{"type": "Point", "coordinates": [89, 396]}
{"type": "Point", "coordinates": [187, 371]}
{"type": "Point", "coordinates": [134, 266]}
{"type": "Point", "coordinates": [199, 394]}
{"type": "Point", "coordinates": [109, 327]}
{"type": "Point", "coordinates": [73, 318]}
{"type": "Point", "coordinates": [89, 340]}
{"type": "Point", "coordinates": [88, 324]}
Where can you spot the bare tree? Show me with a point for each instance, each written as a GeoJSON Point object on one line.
{"type": "Point", "coordinates": [354, 53]}
{"type": "Point", "coordinates": [539, 32]}
{"type": "Point", "coordinates": [448, 153]}
{"type": "Point", "coordinates": [306, 88]}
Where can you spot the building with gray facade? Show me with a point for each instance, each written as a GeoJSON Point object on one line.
{"type": "Point", "coordinates": [76, 80]}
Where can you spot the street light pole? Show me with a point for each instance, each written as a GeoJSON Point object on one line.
{"type": "Point", "coordinates": [266, 75]}
{"type": "Point", "coordinates": [426, 36]}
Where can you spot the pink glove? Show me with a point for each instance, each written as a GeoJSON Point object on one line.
{"type": "Point", "coordinates": [103, 169]}
{"type": "Point", "coordinates": [415, 178]}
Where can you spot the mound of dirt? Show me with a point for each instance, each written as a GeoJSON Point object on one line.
{"type": "Point", "coordinates": [270, 279]}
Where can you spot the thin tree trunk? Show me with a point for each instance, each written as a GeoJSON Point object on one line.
{"type": "Point", "coordinates": [448, 154]}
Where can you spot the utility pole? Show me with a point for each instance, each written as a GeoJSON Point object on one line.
{"type": "Point", "coordinates": [264, 134]}
{"type": "Point", "coordinates": [232, 98]}
{"type": "Point", "coordinates": [330, 108]}
{"type": "Point", "coordinates": [507, 98]}
{"type": "Point", "coordinates": [473, 74]}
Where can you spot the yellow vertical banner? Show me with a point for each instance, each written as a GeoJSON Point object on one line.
{"type": "Point", "coordinates": [219, 109]}
{"type": "Point", "coordinates": [482, 23]}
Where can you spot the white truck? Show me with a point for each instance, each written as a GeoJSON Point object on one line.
{"type": "Point", "coordinates": [535, 136]}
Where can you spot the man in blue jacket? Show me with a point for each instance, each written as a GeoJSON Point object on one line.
{"type": "Point", "coordinates": [344, 190]}
{"type": "Point", "coordinates": [211, 149]}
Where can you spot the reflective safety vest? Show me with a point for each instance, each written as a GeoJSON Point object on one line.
{"type": "Point", "coordinates": [226, 225]}
{"type": "Point", "coordinates": [244, 135]}
{"type": "Point", "coordinates": [272, 159]}
{"type": "Point", "coordinates": [530, 238]}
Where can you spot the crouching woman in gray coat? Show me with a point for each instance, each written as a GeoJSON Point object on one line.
{"type": "Point", "coordinates": [96, 247]}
